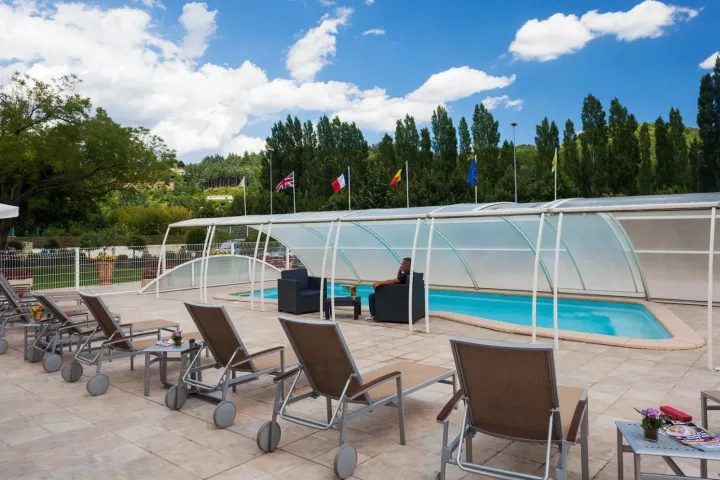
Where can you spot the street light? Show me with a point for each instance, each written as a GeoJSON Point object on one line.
{"type": "Point", "coordinates": [514, 124]}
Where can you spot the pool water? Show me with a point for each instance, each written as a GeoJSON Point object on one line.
{"type": "Point", "coordinates": [605, 318]}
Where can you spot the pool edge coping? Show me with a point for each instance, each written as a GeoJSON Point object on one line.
{"type": "Point", "coordinates": [682, 336]}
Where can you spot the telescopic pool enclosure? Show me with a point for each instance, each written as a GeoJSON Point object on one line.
{"type": "Point", "coordinates": [652, 247]}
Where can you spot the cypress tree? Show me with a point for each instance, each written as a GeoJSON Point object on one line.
{"type": "Point", "coordinates": [624, 151]}
{"type": "Point", "coordinates": [426, 154]}
{"type": "Point", "coordinates": [706, 126]}
{"type": "Point", "coordinates": [486, 142]}
{"type": "Point", "coordinates": [594, 144]}
{"type": "Point", "coordinates": [694, 163]}
{"type": "Point", "coordinates": [664, 157]}
{"type": "Point", "coordinates": [570, 155]}
{"type": "Point", "coordinates": [465, 142]}
{"type": "Point", "coordinates": [680, 150]}
{"type": "Point", "coordinates": [645, 176]}
{"type": "Point", "coordinates": [546, 141]}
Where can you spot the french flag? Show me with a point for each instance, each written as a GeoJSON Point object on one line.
{"type": "Point", "coordinates": [342, 181]}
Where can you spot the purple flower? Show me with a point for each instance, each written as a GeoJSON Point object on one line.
{"type": "Point", "coordinates": [177, 333]}
{"type": "Point", "coordinates": [650, 413]}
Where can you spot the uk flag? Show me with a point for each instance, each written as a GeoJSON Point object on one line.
{"type": "Point", "coordinates": [287, 182]}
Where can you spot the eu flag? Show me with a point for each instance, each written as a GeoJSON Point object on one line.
{"type": "Point", "coordinates": [472, 173]}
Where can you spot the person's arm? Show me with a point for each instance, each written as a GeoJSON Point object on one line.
{"type": "Point", "coordinates": [386, 282]}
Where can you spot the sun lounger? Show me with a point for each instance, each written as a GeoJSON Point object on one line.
{"type": "Point", "coordinates": [231, 357]}
{"type": "Point", "coordinates": [59, 330]}
{"type": "Point", "coordinates": [116, 345]}
{"type": "Point", "coordinates": [509, 391]}
{"type": "Point", "coordinates": [331, 372]}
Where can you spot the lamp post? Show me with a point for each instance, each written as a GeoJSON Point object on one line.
{"type": "Point", "coordinates": [270, 152]}
{"type": "Point", "coordinates": [514, 124]}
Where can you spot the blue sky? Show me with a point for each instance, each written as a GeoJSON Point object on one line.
{"type": "Point", "coordinates": [646, 53]}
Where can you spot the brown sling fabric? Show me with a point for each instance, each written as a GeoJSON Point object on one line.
{"type": "Point", "coordinates": [320, 348]}
{"type": "Point", "coordinates": [57, 312]}
{"type": "Point", "coordinates": [217, 330]}
{"type": "Point", "coordinates": [14, 299]}
{"type": "Point", "coordinates": [509, 389]}
{"type": "Point", "coordinates": [105, 321]}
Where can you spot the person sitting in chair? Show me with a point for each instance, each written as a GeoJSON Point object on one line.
{"type": "Point", "coordinates": [402, 278]}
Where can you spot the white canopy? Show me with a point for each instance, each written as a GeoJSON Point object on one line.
{"type": "Point", "coordinates": [8, 211]}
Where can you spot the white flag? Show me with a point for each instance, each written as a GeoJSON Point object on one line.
{"type": "Point", "coordinates": [242, 183]}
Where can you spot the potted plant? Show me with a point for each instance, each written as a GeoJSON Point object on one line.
{"type": "Point", "coordinates": [651, 423]}
{"type": "Point", "coordinates": [177, 337]}
{"type": "Point", "coordinates": [105, 268]}
{"type": "Point", "coordinates": [353, 291]}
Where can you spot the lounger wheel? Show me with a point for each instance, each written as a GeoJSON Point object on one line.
{"type": "Point", "coordinates": [98, 384]}
{"type": "Point", "coordinates": [175, 397]}
{"type": "Point", "coordinates": [34, 355]}
{"type": "Point", "coordinates": [224, 415]}
{"type": "Point", "coordinates": [345, 461]}
{"type": "Point", "coordinates": [3, 346]}
{"type": "Point", "coordinates": [72, 372]}
{"type": "Point", "coordinates": [52, 363]}
{"type": "Point", "coordinates": [267, 441]}
{"type": "Point", "coordinates": [2, 331]}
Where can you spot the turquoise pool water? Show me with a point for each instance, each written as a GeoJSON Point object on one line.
{"type": "Point", "coordinates": [604, 318]}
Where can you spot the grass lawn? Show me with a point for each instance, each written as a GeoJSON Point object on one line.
{"type": "Point", "coordinates": [46, 278]}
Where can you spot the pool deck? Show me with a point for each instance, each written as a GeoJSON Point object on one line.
{"type": "Point", "coordinates": [50, 429]}
{"type": "Point", "coordinates": [683, 337]}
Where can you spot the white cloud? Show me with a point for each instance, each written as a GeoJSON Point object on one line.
{"type": "Point", "coordinates": [327, 3]}
{"type": "Point", "coordinates": [561, 34]}
{"type": "Point", "coordinates": [369, 2]}
{"type": "Point", "coordinates": [374, 31]}
{"type": "Point", "coordinates": [199, 25]}
{"type": "Point", "coordinates": [709, 63]}
{"type": "Point", "coordinates": [491, 103]}
{"type": "Point", "coordinates": [315, 49]}
{"type": "Point", "coordinates": [195, 106]}
{"type": "Point", "coordinates": [151, 3]}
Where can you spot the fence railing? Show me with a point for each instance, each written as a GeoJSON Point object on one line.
{"type": "Point", "coordinates": [117, 269]}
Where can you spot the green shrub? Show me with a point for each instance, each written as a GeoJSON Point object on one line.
{"type": "Point", "coordinates": [105, 237]}
{"type": "Point", "coordinates": [149, 220]}
{"type": "Point", "coordinates": [51, 243]}
{"type": "Point", "coordinates": [15, 244]}
{"type": "Point", "coordinates": [54, 232]}
{"type": "Point", "coordinates": [170, 255]}
{"type": "Point", "coordinates": [195, 238]}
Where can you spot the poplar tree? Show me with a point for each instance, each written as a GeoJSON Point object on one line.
{"type": "Point", "coordinates": [645, 175]}
{"type": "Point", "coordinates": [624, 150]}
{"type": "Point", "coordinates": [594, 144]}
{"type": "Point", "coordinates": [664, 158]}
{"type": "Point", "coordinates": [465, 142]}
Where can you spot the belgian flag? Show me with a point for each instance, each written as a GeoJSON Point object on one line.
{"type": "Point", "coordinates": [400, 175]}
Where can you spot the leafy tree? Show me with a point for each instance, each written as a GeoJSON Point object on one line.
{"type": "Point", "coordinates": [680, 149]}
{"type": "Point", "coordinates": [624, 151]}
{"type": "Point", "coordinates": [444, 139]}
{"type": "Point", "coordinates": [570, 155]}
{"type": "Point", "coordinates": [694, 162]}
{"type": "Point", "coordinates": [486, 141]}
{"type": "Point", "coordinates": [51, 143]}
{"type": "Point", "coordinates": [594, 144]}
{"type": "Point", "coordinates": [645, 177]}
{"type": "Point", "coordinates": [465, 142]}
{"type": "Point", "coordinates": [195, 237]}
{"type": "Point", "coordinates": [708, 120]}
{"type": "Point", "coordinates": [426, 154]}
{"type": "Point", "coordinates": [664, 157]}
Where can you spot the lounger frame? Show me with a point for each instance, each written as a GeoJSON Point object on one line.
{"type": "Point", "coordinates": [452, 453]}
{"type": "Point", "coordinates": [337, 419]}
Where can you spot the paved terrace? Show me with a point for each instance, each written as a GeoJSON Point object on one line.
{"type": "Point", "coordinates": [52, 429]}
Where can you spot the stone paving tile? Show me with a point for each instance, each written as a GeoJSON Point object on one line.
{"type": "Point", "coordinates": [138, 437]}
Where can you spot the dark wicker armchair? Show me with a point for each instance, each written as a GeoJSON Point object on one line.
{"type": "Point", "coordinates": [298, 293]}
{"type": "Point", "coordinates": [391, 301]}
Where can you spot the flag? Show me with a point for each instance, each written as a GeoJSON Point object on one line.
{"type": "Point", "coordinates": [554, 164]}
{"type": "Point", "coordinates": [398, 176]}
{"type": "Point", "coordinates": [472, 173]}
{"type": "Point", "coordinates": [287, 182]}
{"type": "Point", "coordinates": [242, 183]}
{"type": "Point", "coordinates": [342, 181]}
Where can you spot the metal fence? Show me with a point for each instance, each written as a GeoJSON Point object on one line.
{"type": "Point", "coordinates": [119, 269]}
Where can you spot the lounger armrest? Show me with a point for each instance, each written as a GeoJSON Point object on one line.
{"type": "Point", "coordinates": [123, 338]}
{"type": "Point", "coordinates": [353, 393]}
{"type": "Point", "coordinates": [192, 349]}
{"type": "Point", "coordinates": [445, 412]}
{"type": "Point", "coordinates": [78, 324]}
{"type": "Point", "coordinates": [580, 411]}
{"type": "Point", "coordinates": [258, 354]}
{"type": "Point", "coordinates": [282, 376]}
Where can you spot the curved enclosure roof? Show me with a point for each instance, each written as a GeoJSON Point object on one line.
{"type": "Point", "coordinates": [653, 246]}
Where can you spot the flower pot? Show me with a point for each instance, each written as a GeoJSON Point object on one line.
{"type": "Point", "coordinates": [37, 316]}
{"type": "Point", "coordinates": [178, 343]}
{"type": "Point", "coordinates": [651, 434]}
{"type": "Point", "coordinates": [105, 272]}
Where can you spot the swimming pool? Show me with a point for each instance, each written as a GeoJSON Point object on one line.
{"type": "Point", "coordinates": [616, 319]}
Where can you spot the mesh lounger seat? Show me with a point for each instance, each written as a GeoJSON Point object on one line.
{"type": "Point", "coordinates": [116, 345]}
{"type": "Point", "coordinates": [60, 330]}
{"type": "Point", "coordinates": [509, 391]}
{"type": "Point", "coordinates": [231, 357]}
{"type": "Point", "coordinates": [331, 372]}
{"type": "Point", "coordinates": [16, 311]}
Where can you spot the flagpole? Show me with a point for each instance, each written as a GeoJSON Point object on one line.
{"type": "Point", "coordinates": [349, 208]}
{"type": "Point", "coordinates": [556, 169]}
{"type": "Point", "coordinates": [271, 183]}
{"type": "Point", "coordinates": [294, 183]}
{"type": "Point", "coordinates": [245, 198]}
{"type": "Point", "coordinates": [475, 160]}
{"type": "Point", "coordinates": [407, 185]}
